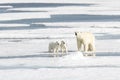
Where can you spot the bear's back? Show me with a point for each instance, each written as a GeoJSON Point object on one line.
{"type": "Point", "coordinates": [86, 36]}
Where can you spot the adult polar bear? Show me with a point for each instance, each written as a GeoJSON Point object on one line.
{"type": "Point", "coordinates": [87, 40]}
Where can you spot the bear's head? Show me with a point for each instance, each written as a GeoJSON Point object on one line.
{"type": "Point", "coordinates": [57, 43]}
{"type": "Point", "coordinates": [77, 33]}
{"type": "Point", "coordinates": [63, 42]}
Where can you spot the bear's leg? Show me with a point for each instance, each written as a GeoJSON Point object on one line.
{"type": "Point", "coordinates": [49, 49]}
{"type": "Point", "coordinates": [62, 50]}
{"type": "Point", "coordinates": [89, 47]}
{"type": "Point", "coordinates": [54, 51]}
{"type": "Point", "coordinates": [92, 49]}
{"type": "Point", "coordinates": [79, 45]}
{"type": "Point", "coordinates": [86, 49]}
{"type": "Point", "coordinates": [65, 50]}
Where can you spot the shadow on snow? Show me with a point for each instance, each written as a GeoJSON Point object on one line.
{"type": "Point", "coordinates": [51, 55]}
{"type": "Point", "coordinates": [68, 18]}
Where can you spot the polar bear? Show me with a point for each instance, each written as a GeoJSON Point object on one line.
{"type": "Point", "coordinates": [87, 41]}
{"type": "Point", "coordinates": [63, 47]}
{"type": "Point", "coordinates": [54, 47]}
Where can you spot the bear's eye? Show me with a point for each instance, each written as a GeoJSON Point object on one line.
{"type": "Point", "coordinates": [75, 33]}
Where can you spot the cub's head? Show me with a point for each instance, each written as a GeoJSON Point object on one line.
{"type": "Point", "coordinates": [57, 43]}
{"type": "Point", "coordinates": [62, 42]}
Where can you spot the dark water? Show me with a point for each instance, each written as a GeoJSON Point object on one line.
{"type": "Point", "coordinates": [27, 5]}
{"type": "Point", "coordinates": [60, 18]}
{"type": "Point", "coordinates": [54, 18]}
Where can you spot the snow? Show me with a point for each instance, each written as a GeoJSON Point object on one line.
{"type": "Point", "coordinates": [26, 30]}
{"type": "Point", "coordinates": [31, 9]}
{"type": "Point", "coordinates": [53, 74]}
{"type": "Point", "coordinates": [13, 16]}
{"type": "Point", "coordinates": [5, 6]}
{"type": "Point", "coordinates": [13, 25]}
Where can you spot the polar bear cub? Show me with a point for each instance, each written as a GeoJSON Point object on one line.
{"type": "Point", "coordinates": [63, 47]}
{"type": "Point", "coordinates": [54, 47]}
{"type": "Point", "coordinates": [87, 41]}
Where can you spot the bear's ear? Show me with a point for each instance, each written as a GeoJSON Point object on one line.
{"type": "Point", "coordinates": [57, 42]}
{"type": "Point", "coordinates": [76, 33]}
{"type": "Point", "coordinates": [63, 42]}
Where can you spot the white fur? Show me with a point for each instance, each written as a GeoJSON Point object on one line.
{"type": "Point", "coordinates": [54, 47]}
{"type": "Point", "coordinates": [63, 47]}
{"type": "Point", "coordinates": [87, 40]}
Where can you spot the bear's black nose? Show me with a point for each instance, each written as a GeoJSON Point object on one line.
{"type": "Point", "coordinates": [75, 33]}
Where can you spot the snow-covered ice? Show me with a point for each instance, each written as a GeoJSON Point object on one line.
{"type": "Point", "coordinates": [27, 27]}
